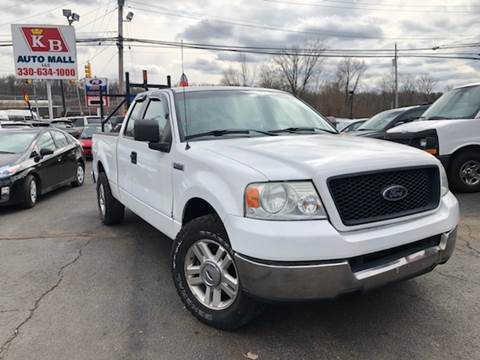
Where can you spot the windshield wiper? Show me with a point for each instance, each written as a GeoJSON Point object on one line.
{"type": "Point", "coordinates": [436, 118]}
{"type": "Point", "coordinates": [6, 152]}
{"type": "Point", "coordinates": [300, 129]}
{"type": "Point", "coordinates": [218, 133]}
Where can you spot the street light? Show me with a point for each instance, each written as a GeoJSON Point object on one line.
{"type": "Point", "coordinates": [71, 16]}
{"type": "Point", "coordinates": [129, 16]}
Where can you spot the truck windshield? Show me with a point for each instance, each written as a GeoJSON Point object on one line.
{"type": "Point", "coordinates": [462, 103]}
{"type": "Point", "coordinates": [256, 110]}
{"type": "Point", "coordinates": [380, 121]}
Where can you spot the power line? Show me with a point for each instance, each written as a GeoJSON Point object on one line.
{"type": "Point", "coordinates": [352, 35]}
{"type": "Point", "coordinates": [355, 6]}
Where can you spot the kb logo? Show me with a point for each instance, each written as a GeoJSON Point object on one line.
{"type": "Point", "coordinates": [44, 39]}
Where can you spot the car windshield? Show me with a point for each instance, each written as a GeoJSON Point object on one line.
{"type": "Point", "coordinates": [462, 103]}
{"type": "Point", "coordinates": [381, 120]}
{"type": "Point", "coordinates": [88, 132]}
{"type": "Point", "coordinates": [255, 111]}
{"type": "Point", "coordinates": [15, 142]}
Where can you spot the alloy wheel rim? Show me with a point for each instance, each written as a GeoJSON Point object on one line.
{"type": "Point", "coordinates": [211, 274]}
{"type": "Point", "coordinates": [80, 174]}
{"type": "Point", "coordinates": [33, 191]}
{"type": "Point", "coordinates": [101, 199]}
{"type": "Point", "coordinates": [470, 173]}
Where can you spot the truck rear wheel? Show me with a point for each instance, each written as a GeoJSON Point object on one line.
{"type": "Point", "coordinates": [111, 210]}
{"type": "Point", "coordinates": [206, 277]}
{"type": "Point", "coordinates": [464, 172]}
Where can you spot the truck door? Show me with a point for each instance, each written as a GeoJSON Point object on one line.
{"type": "Point", "coordinates": [126, 151]}
{"type": "Point", "coordinates": [151, 171]}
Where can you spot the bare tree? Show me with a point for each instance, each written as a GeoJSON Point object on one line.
{"type": "Point", "coordinates": [230, 77]}
{"type": "Point", "coordinates": [425, 85]}
{"type": "Point", "coordinates": [349, 75]}
{"type": "Point", "coordinates": [270, 77]}
{"type": "Point", "coordinates": [408, 89]}
{"type": "Point", "coordinates": [247, 73]}
{"type": "Point", "coordinates": [300, 66]}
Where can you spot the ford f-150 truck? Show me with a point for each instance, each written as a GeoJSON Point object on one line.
{"type": "Point", "coordinates": [266, 202]}
{"type": "Point", "coordinates": [450, 130]}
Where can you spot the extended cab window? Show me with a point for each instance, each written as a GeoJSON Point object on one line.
{"type": "Point", "coordinates": [135, 114]}
{"type": "Point", "coordinates": [157, 110]}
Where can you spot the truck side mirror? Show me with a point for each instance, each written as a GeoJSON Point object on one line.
{"type": "Point", "coordinates": [146, 130]}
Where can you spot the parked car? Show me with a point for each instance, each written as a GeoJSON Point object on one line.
{"type": "Point", "coordinates": [85, 139]}
{"type": "Point", "coordinates": [14, 124]}
{"type": "Point", "coordinates": [266, 201]}
{"type": "Point", "coordinates": [377, 126]}
{"type": "Point", "coordinates": [36, 161]}
{"type": "Point", "coordinates": [19, 115]}
{"type": "Point", "coordinates": [82, 121]}
{"type": "Point", "coordinates": [450, 130]}
{"type": "Point", "coordinates": [351, 126]}
{"type": "Point", "coordinates": [67, 126]}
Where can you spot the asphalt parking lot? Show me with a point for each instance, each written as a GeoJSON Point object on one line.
{"type": "Point", "coordinates": [71, 288]}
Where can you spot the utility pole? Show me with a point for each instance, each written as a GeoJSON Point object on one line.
{"type": "Point", "coordinates": [395, 65]}
{"type": "Point", "coordinates": [120, 45]}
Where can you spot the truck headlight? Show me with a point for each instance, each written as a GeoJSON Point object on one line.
{"type": "Point", "coordinates": [295, 200]}
{"type": "Point", "coordinates": [443, 181]}
{"type": "Point", "coordinates": [6, 171]}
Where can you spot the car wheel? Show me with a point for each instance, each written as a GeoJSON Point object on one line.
{"type": "Point", "coordinates": [111, 210]}
{"type": "Point", "coordinates": [464, 172]}
{"type": "Point", "coordinates": [206, 276]}
{"type": "Point", "coordinates": [30, 192]}
{"type": "Point", "coordinates": [79, 175]}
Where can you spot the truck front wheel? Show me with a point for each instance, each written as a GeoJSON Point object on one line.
{"type": "Point", "coordinates": [111, 210]}
{"type": "Point", "coordinates": [464, 172]}
{"type": "Point", "coordinates": [206, 277]}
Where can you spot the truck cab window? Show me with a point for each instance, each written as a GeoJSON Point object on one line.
{"type": "Point", "coordinates": [134, 115]}
{"type": "Point", "coordinates": [157, 110]}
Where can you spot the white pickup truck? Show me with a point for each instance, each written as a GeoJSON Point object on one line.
{"type": "Point", "coordinates": [265, 201]}
{"type": "Point", "coordinates": [450, 130]}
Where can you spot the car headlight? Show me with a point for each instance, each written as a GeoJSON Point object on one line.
{"type": "Point", "coordinates": [295, 200]}
{"type": "Point", "coordinates": [6, 171]}
{"type": "Point", "coordinates": [443, 181]}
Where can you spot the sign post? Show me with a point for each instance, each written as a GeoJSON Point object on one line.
{"type": "Point", "coordinates": [45, 52]}
{"type": "Point", "coordinates": [50, 101]}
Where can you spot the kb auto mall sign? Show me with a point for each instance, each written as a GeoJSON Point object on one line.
{"type": "Point", "coordinates": [44, 51]}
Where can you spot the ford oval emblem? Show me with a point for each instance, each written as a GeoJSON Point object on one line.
{"type": "Point", "coordinates": [395, 193]}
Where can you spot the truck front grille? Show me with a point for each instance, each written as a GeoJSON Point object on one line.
{"type": "Point", "coordinates": [359, 198]}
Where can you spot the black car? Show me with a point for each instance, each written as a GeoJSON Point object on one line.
{"type": "Point", "coordinates": [377, 126]}
{"type": "Point", "coordinates": [36, 161]}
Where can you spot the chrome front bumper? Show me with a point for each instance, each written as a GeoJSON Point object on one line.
{"type": "Point", "coordinates": [328, 279]}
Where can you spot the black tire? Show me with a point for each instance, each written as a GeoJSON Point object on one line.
{"type": "Point", "coordinates": [242, 310]}
{"type": "Point", "coordinates": [28, 199]}
{"type": "Point", "coordinates": [79, 180]}
{"type": "Point", "coordinates": [455, 168]}
{"type": "Point", "coordinates": [112, 212]}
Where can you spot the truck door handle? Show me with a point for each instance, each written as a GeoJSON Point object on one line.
{"type": "Point", "coordinates": [133, 157]}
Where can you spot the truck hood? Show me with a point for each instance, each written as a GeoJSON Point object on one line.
{"type": "Point", "coordinates": [417, 126]}
{"type": "Point", "coordinates": [305, 156]}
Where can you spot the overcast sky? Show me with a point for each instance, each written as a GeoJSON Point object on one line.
{"type": "Point", "coordinates": [339, 24]}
